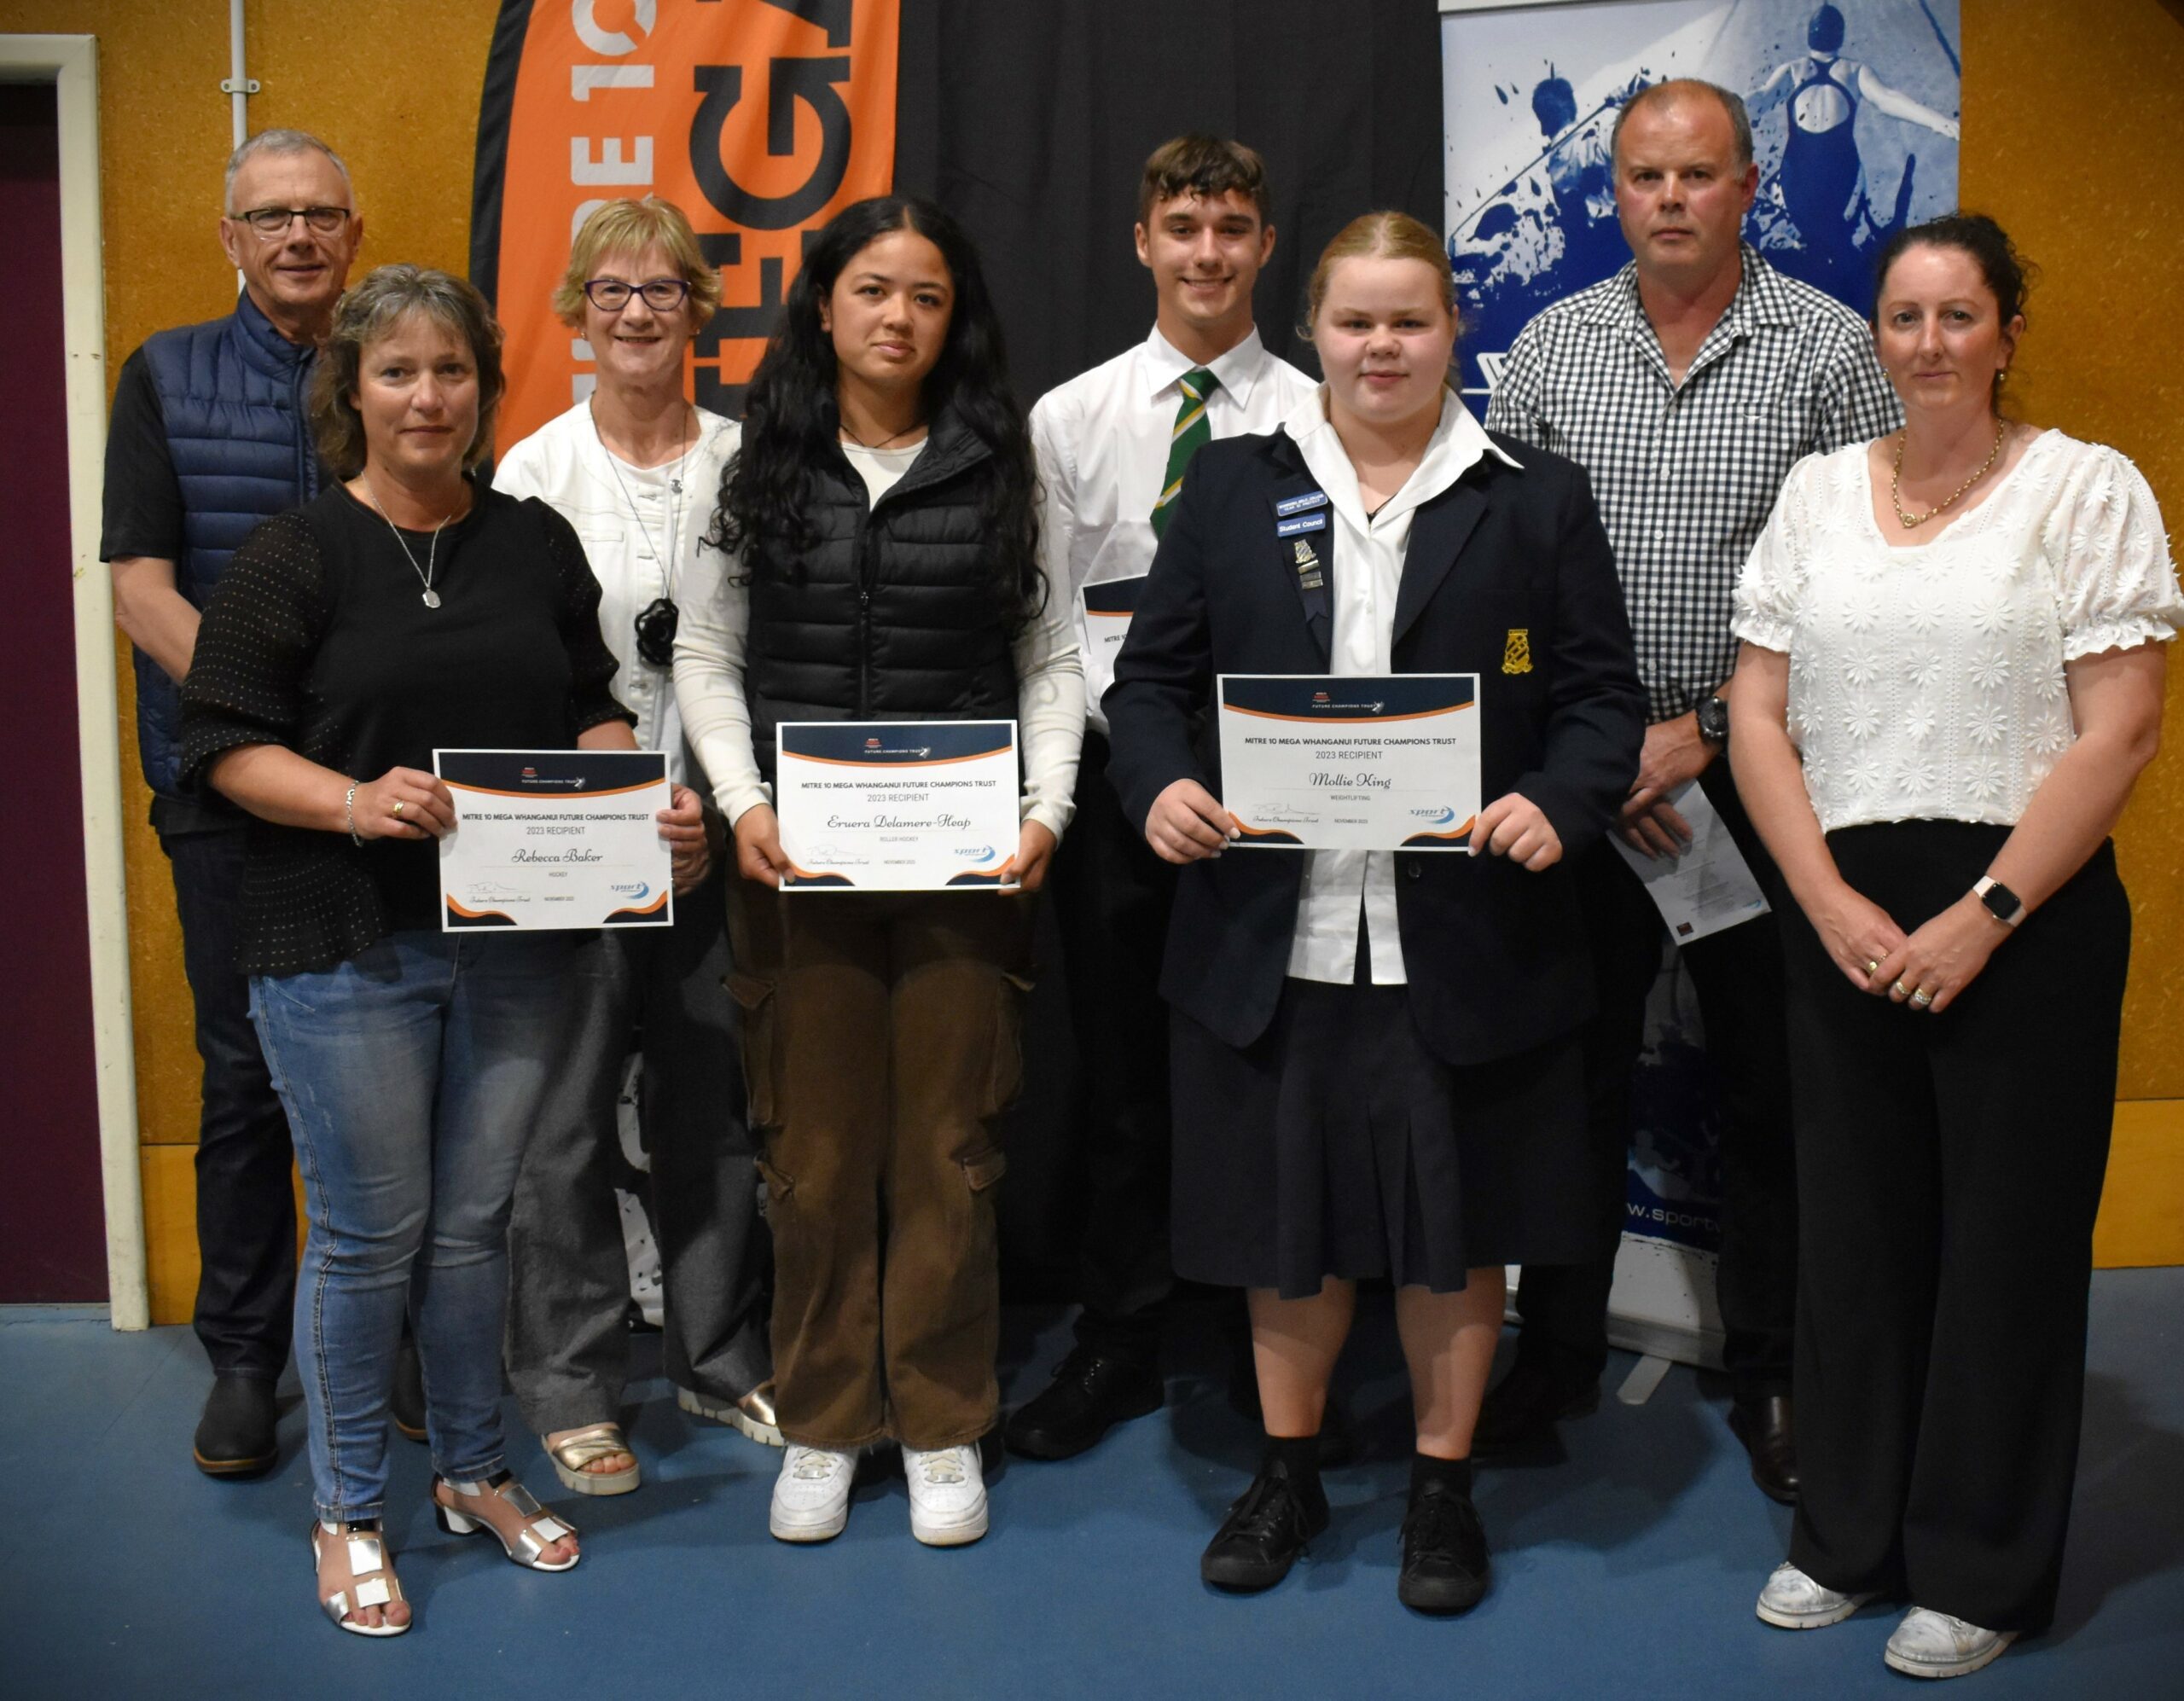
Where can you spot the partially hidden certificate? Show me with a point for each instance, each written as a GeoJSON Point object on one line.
{"type": "Point", "coordinates": [1329, 764]}
{"type": "Point", "coordinates": [897, 805]}
{"type": "Point", "coordinates": [1707, 886]}
{"type": "Point", "coordinates": [547, 838]}
{"type": "Point", "coordinates": [1108, 606]}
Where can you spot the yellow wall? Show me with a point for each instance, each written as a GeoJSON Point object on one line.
{"type": "Point", "coordinates": [2070, 114]}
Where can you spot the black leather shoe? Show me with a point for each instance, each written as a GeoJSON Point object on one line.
{"type": "Point", "coordinates": [1090, 1393]}
{"type": "Point", "coordinates": [1265, 1532]}
{"type": "Point", "coordinates": [1444, 1564]}
{"type": "Point", "coordinates": [1764, 1426]}
{"type": "Point", "coordinates": [234, 1436]}
{"type": "Point", "coordinates": [1522, 1410]}
{"type": "Point", "coordinates": [407, 1400]}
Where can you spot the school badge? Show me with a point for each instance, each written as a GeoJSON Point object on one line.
{"type": "Point", "coordinates": [1516, 654]}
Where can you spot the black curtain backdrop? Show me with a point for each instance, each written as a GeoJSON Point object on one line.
{"type": "Point", "coordinates": [1030, 123]}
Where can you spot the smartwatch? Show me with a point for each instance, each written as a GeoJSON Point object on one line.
{"type": "Point", "coordinates": [1713, 715]}
{"type": "Point", "coordinates": [2003, 905]}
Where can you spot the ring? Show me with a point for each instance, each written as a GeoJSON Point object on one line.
{"type": "Point", "coordinates": [1872, 966]}
{"type": "Point", "coordinates": [1922, 998]}
{"type": "Point", "coordinates": [397, 807]}
{"type": "Point", "coordinates": [1900, 991]}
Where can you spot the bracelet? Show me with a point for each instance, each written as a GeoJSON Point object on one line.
{"type": "Point", "coordinates": [349, 810]}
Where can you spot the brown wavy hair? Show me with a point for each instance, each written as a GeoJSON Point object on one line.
{"type": "Point", "coordinates": [370, 310]}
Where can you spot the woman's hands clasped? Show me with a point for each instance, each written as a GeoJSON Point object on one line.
{"type": "Point", "coordinates": [402, 803]}
{"type": "Point", "coordinates": [1924, 970]}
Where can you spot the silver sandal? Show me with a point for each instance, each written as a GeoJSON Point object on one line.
{"type": "Point", "coordinates": [527, 1545]}
{"type": "Point", "coordinates": [372, 1582]}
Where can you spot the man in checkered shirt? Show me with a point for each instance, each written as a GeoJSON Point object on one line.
{"type": "Point", "coordinates": [1687, 385]}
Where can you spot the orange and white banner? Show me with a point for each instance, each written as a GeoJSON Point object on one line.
{"type": "Point", "coordinates": [760, 118]}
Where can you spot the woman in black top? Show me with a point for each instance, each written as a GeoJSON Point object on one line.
{"type": "Point", "coordinates": [406, 609]}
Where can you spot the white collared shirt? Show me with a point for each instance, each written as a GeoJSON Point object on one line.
{"type": "Point", "coordinates": [1102, 443]}
{"type": "Point", "coordinates": [625, 516]}
{"type": "Point", "coordinates": [1366, 570]}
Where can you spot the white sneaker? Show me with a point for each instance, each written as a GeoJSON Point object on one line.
{"type": "Point", "coordinates": [1793, 1601]}
{"type": "Point", "coordinates": [811, 1496]}
{"type": "Point", "coordinates": [1929, 1644]}
{"type": "Point", "coordinates": [947, 1494]}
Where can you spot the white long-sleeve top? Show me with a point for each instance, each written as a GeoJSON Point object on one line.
{"type": "Point", "coordinates": [1102, 441]}
{"type": "Point", "coordinates": [1367, 569]}
{"type": "Point", "coordinates": [641, 529]}
{"type": "Point", "coordinates": [714, 636]}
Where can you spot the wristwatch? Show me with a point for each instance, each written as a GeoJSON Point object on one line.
{"type": "Point", "coordinates": [1713, 715]}
{"type": "Point", "coordinates": [2003, 905]}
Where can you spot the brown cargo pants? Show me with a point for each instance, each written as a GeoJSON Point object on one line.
{"type": "Point", "coordinates": [881, 1036]}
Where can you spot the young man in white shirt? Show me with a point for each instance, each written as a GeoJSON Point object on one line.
{"type": "Point", "coordinates": [1113, 444]}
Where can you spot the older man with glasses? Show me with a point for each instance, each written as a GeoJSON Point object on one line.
{"type": "Point", "coordinates": [208, 438]}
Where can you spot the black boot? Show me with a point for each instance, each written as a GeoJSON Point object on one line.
{"type": "Point", "coordinates": [407, 1400]}
{"type": "Point", "coordinates": [234, 1436]}
{"type": "Point", "coordinates": [1764, 1426]}
{"type": "Point", "coordinates": [1267, 1528]}
{"type": "Point", "coordinates": [1445, 1567]}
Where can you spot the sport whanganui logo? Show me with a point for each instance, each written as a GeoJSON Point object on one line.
{"type": "Point", "coordinates": [979, 853]}
{"type": "Point", "coordinates": [1438, 817]}
{"type": "Point", "coordinates": [636, 890]}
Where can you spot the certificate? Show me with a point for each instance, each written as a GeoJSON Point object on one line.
{"type": "Point", "coordinates": [1327, 764]}
{"type": "Point", "coordinates": [1108, 606]}
{"type": "Point", "coordinates": [547, 838]}
{"type": "Point", "coordinates": [897, 805]}
{"type": "Point", "coordinates": [1707, 886]}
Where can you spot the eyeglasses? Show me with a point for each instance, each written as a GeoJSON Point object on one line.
{"type": "Point", "coordinates": [272, 223]}
{"type": "Point", "coordinates": [661, 294]}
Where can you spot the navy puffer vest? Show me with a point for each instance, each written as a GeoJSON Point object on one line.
{"type": "Point", "coordinates": [231, 397]}
{"type": "Point", "coordinates": [891, 614]}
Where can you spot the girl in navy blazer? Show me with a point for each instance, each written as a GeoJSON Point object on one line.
{"type": "Point", "coordinates": [1375, 1054]}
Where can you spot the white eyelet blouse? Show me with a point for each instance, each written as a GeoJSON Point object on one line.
{"type": "Point", "coordinates": [1926, 682]}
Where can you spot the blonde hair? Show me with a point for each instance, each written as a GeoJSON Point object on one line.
{"type": "Point", "coordinates": [1381, 236]}
{"type": "Point", "coordinates": [629, 227]}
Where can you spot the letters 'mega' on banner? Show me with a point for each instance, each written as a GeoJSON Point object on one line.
{"type": "Point", "coordinates": [760, 118]}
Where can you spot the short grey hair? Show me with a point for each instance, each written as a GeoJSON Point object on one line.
{"type": "Point", "coordinates": [1674, 89]}
{"type": "Point", "coordinates": [279, 142]}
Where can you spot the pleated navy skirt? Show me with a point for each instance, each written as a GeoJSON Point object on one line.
{"type": "Point", "coordinates": [1338, 1145]}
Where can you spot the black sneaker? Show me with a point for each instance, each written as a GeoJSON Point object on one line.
{"type": "Point", "coordinates": [1444, 1564]}
{"type": "Point", "coordinates": [1265, 1531]}
{"type": "Point", "coordinates": [234, 1436]}
{"type": "Point", "coordinates": [1090, 1393]}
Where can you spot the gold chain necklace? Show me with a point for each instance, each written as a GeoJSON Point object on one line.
{"type": "Point", "coordinates": [1896, 481]}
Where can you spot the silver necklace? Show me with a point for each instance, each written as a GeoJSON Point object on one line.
{"type": "Point", "coordinates": [432, 598]}
{"type": "Point", "coordinates": [657, 622]}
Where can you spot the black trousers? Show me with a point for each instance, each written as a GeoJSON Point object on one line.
{"type": "Point", "coordinates": [1738, 975]}
{"type": "Point", "coordinates": [1111, 900]}
{"type": "Point", "coordinates": [246, 1202]}
{"type": "Point", "coordinates": [1950, 1168]}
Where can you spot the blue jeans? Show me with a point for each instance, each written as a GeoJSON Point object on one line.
{"type": "Point", "coordinates": [411, 1074]}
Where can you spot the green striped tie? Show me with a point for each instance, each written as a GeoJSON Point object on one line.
{"type": "Point", "coordinates": [1191, 434]}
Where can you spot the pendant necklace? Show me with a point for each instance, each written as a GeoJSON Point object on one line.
{"type": "Point", "coordinates": [885, 441]}
{"type": "Point", "coordinates": [657, 621]}
{"type": "Point", "coordinates": [432, 598]}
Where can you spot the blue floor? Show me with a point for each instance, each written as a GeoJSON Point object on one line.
{"type": "Point", "coordinates": [1626, 1569]}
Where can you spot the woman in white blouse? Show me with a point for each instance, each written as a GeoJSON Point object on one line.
{"type": "Point", "coordinates": [1951, 677]}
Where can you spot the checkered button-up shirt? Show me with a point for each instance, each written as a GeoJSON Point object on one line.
{"type": "Point", "coordinates": [1686, 476]}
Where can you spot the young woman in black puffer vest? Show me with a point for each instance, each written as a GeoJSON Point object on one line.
{"type": "Point", "coordinates": [876, 560]}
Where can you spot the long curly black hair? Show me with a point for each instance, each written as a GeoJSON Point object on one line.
{"type": "Point", "coordinates": [791, 418]}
